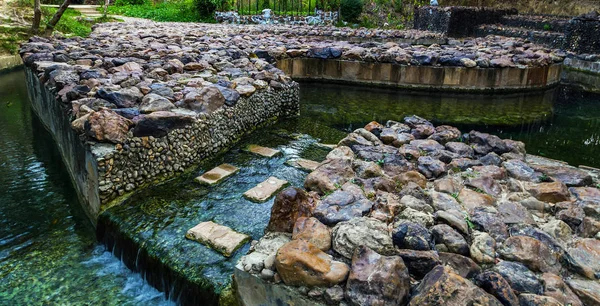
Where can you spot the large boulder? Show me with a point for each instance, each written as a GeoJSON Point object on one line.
{"type": "Point", "coordinates": [348, 235]}
{"type": "Point", "coordinates": [377, 280]}
{"type": "Point", "coordinates": [207, 100]}
{"type": "Point", "coordinates": [290, 204]}
{"type": "Point", "coordinates": [313, 231]}
{"type": "Point", "coordinates": [300, 263]}
{"type": "Point", "coordinates": [107, 126]}
{"type": "Point", "coordinates": [443, 286]}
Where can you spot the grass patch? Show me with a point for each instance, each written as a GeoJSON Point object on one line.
{"type": "Point", "coordinates": [172, 11]}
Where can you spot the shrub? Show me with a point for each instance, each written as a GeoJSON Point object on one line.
{"type": "Point", "coordinates": [129, 2]}
{"type": "Point", "coordinates": [351, 9]}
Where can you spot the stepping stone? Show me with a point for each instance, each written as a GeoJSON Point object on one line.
{"type": "Point", "coordinates": [218, 237]}
{"type": "Point", "coordinates": [265, 190]}
{"type": "Point", "coordinates": [304, 164]}
{"type": "Point", "coordinates": [217, 174]}
{"type": "Point", "coordinates": [262, 151]}
{"type": "Point", "coordinates": [326, 145]}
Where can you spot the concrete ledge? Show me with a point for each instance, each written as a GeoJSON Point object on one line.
{"type": "Point", "coordinates": [10, 62]}
{"type": "Point", "coordinates": [423, 77]}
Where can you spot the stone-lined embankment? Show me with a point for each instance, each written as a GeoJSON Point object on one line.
{"type": "Point", "coordinates": [409, 213]}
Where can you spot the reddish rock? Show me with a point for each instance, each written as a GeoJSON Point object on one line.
{"type": "Point", "coordinates": [585, 258]}
{"type": "Point", "coordinates": [528, 299]}
{"type": "Point", "coordinates": [411, 176]}
{"type": "Point", "coordinates": [107, 126]}
{"type": "Point", "coordinates": [486, 184]}
{"type": "Point", "coordinates": [290, 204]}
{"type": "Point", "coordinates": [301, 263]}
{"type": "Point", "coordinates": [377, 280]}
{"type": "Point", "coordinates": [313, 231]}
{"type": "Point", "coordinates": [374, 127]}
{"type": "Point", "coordinates": [588, 291]}
{"type": "Point", "coordinates": [442, 286]}
{"type": "Point", "coordinates": [531, 252]}
{"type": "Point", "coordinates": [448, 185]}
{"type": "Point", "coordinates": [495, 172]}
{"type": "Point", "coordinates": [463, 265]}
{"type": "Point", "coordinates": [555, 287]}
{"type": "Point", "coordinates": [331, 173]}
{"type": "Point", "coordinates": [471, 199]}
{"type": "Point", "coordinates": [549, 192]}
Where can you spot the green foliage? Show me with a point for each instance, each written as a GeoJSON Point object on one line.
{"type": "Point", "coordinates": [544, 178]}
{"type": "Point", "coordinates": [380, 162]}
{"type": "Point", "coordinates": [172, 11]}
{"type": "Point", "coordinates": [469, 222]}
{"type": "Point", "coordinates": [351, 9]}
{"type": "Point", "coordinates": [130, 2]}
{"type": "Point", "coordinates": [547, 27]}
{"type": "Point", "coordinates": [71, 22]}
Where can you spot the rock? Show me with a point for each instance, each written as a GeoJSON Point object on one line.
{"type": "Point", "coordinates": [423, 218]}
{"type": "Point", "coordinates": [265, 190]}
{"type": "Point", "coordinates": [444, 234]}
{"type": "Point", "coordinates": [462, 265]}
{"type": "Point", "coordinates": [460, 148]}
{"type": "Point", "coordinates": [491, 222]}
{"type": "Point", "coordinates": [469, 63]}
{"type": "Point", "coordinates": [531, 252]}
{"type": "Point", "coordinates": [329, 174]}
{"type": "Point", "coordinates": [374, 127]}
{"type": "Point", "coordinates": [290, 204]}
{"type": "Point", "coordinates": [128, 67]}
{"type": "Point", "coordinates": [490, 170]}
{"type": "Point", "coordinates": [245, 90]}
{"type": "Point", "coordinates": [483, 248]}
{"type": "Point", "coordinates": [313, 231]}
{"type": "Point", "coordinates": [486, 184]}
{"type": "Point", "coordinates": [366, 170]}
{"type": "Point", "coordinates": [514, 213]}
{"type": "Point", "coordinates": [419, 263]}
{"type": "Point", "coordinates": [519, 277]}
{"type": "Point", "coordinates": [334, 295]}
{"type": "Point", "coordinates": [555, 287]}
{"type": "Point", "coordinates": [158, 124]}
{"type": "Point", "coordinates": [410, 201]}
{"type": "Point", "coordinates": [445, 133]}
{"type": "Point", "coordinates": [324, 53]}
{"type": "Point", "coordinates": [549, 192]}
{"type": "Point", "coordinates": [208, 100]}
{"type": "Point", "coordinates": [262, 151]}
{"type": "Point", "coordinates": [448, 185]}
{"type": "Point", "coordinates": [572, 216]}
{"type": "Point", "coordinates": [412, 236]}
{"type": "Point", "coordinates": [588, 291]}
{"type": "Point", "coordinates": [484, 143]}
{"type": "Point", "coordinates": [494, 284]}
{"type": "Point", "coordinates": [303, 164]}
{"type": "Point", "coordinates": [430, 167]}
{"type": "Point", "coordinates": [585, 258]}
{"type": "Point", "coordinates": [442, 285]}
{"type": "Point", "coordinates": [491, 159]}
{"type": "Point", "coordinates": [106, 126]}
{"type": "Point", "coordinates": [300, 263]}
{"type": "Point", "coordinates": [153, 103]}
{"type": "Point", "coordinates": [454, 218]}
{"type": "Point", "coordinates": [526, 299]}
{"type": "Point", "coordinates": [446, 202]}
{"type": "Point", "coordinates": [569, 176]}
{"type": "Point", "coordinates": [218, 237]}
{"type": "Point", "coordinates": [217, 174]}
{"type": "Point", "coordinates": [231, 96]}
{"type": "Point", "coordinates": [342, 205]}
{"type": "Point", "coordinates": [558, 229]}
{"type": "Point", "coordinates": [123, 98]}
{"type": "Point", "coordinates": [520, 170]}
{"type": "Point", "coordinates": [411, 176]}
{"type": "Point", "coordinates": [348, 235]}
{"type": "Point", "coordinates": [376, 279]}
{"type": "Point", "coordinates": [471, 199]}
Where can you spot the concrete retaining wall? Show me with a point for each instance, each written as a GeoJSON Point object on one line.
{"type": "Point", "coordinates": [457, 21]}
{"type": "Point", "coordinates": [584, 74]}
{"type": "Point", "coordinates": [423, 77]}
{"type": "Point", "coordinates": [103, 174]}
{"type": "Point", "coordinates": [9, 62]}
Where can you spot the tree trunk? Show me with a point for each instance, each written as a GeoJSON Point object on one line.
{"type": "Point", "coordinates": [37, 17]}
{"type": "Point", "coordinates": [56, 18]}
{"type": "Point", "coordinates": [106, 3]}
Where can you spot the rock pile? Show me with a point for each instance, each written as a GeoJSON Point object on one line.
{"type": "Point", "coordinates": [410, 213]}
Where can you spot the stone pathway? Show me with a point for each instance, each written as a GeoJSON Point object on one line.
{"type": "Point", "coordinates": [218, 237]}
{"type": "Point", "coordinates": [217, 174]}
{"type": "Point", "coordinates": [303, 164]}
{"type": "Point", "coordinates": [262, 151]}
{"type": "Point", "coordinates": [265, 190]}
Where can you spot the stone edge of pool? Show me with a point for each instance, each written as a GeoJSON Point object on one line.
{"type": "Point", "coordinates": [10, 62]}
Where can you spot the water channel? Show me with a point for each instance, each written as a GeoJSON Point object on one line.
{"type": "Point", "coordinates": [49, 253]}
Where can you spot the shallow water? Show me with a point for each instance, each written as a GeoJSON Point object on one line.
{"type": "Point", "coordinates": [48, 250]}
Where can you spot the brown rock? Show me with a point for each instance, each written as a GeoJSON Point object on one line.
{"type": "Point", "coordinates": [486, 184]}
{"type": "Point", "coordinates": [313, 231]}
{"type": "Point", "coordinates": [528, 299]}
{"type": "Point", "coordinates": [301, 263]}
{"type": "Point", "coordinates": [443, 286]}
{"type": "Point", "coordinates": [570, 176]}
{"type": "Point", "coordinates": [376, 279]}
{"type": "Point", "coordinates": [549, 192]}
{"type": "Point", "coordinates": [494, 284]}
{"type": "Point", "coordinates": [463, 265]}
{"type": "Point", "coordinates": [412, 176]}
{"type": "Point", "coordinates": [471, 199]}
{"type": "Point", "coordinates": [290, 204]}
{"type": "Point", "coordinates": [588, 291]}
{"type": "Point", "coordinates": [329, 174]}
{"type": "Point", "coordinates": [107, 126]}
{"type": "Point", "coordinates": [374, 127]}
{"type": "Point", "coordinates": [419, 263]}
{"type": "Point", "coordinates": [208, 100]}
{"type": "Point", "coordinates": [448, 185]}
{"type": "Point", "coordinates": [495, 172]}
{"type": "Point", "coordinates": [531, 252]}
{"type": "Point", "coordinates": [555, 287]}
{"type": "Point", "coordinates": [585, 257]}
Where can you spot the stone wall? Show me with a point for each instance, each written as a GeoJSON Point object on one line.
{"type": "Point", "coordinates": [144, 160]}
{"type": "Point", "coordinates": [9, 62]}
{"type": "Point", "coordinates": [583, 34]}
{"type": "Point", "coordinates": [319, 18]}
{"type": "Point", "coordinates": [103, 172]}
{"type": "Point", "coordinates": [422, 77]}
{"type": "Point", "coordinates": [457, 21]}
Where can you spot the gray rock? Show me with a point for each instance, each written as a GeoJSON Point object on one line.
{"type": "Point", "coordinates": [153, 103]}
{"type": "Point", "coordinates": [348, 235]}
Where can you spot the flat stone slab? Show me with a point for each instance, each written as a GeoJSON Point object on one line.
{"type": "Point", "coordinates": [304, 164]}
{"type": "Point", "coordinates": [327, 145]}
{"type": "Point", "coordinates": [217, 174]}
{"type": "Point", "coordinates": [262, 151]}
{"type": "Point", "coordinates": [218, 237]}
{"type": "Point", "coordinates": [265, 190]}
